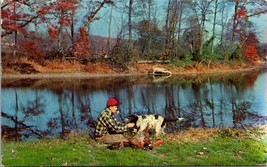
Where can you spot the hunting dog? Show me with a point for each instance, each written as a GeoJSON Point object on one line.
{"type": "Point", "coordinates": [154, 122]}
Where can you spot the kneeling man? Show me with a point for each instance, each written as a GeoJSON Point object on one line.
{"type": "Point", "coordinates": [108, 129]}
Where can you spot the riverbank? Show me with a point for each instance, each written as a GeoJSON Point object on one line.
{"type": "Point", "coordinates": [194, 147]}
{"type": "Point", "coordinates": [60, 69]}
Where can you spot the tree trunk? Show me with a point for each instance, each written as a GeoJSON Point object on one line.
{"type": "Point", "coordinates": [234, 23]}
{"type": "Point", "coordinates": [130, 43]}
{"type": "Point", "coordinates": [72, 30]}
{"type": "Point", "coordinates": [180, 21]}
{"type": "Point", "coordinates": [109, 29]}
{"type": "Point", "coordinates": [167, 26]}
{"type": "Point", "coordinates": [214, 26]}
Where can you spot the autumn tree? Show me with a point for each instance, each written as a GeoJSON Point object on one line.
{"type": "Point", "coordinates": [18, 16]}
{"type": "Point", "coordinates": [33, 48]}
{"type": "Point", "coordinates": [60, 17]}
{"type": "Point", "coordinates": [82, 45]}
{"type": "Point", "coordinates": [144, 28]}
{"type": "Point", "coordinates": [240, 25]}
{"type": "Point", "coordinates": [243, 10]}
{"type": "Point", "coordinates": [92, 8]}
{"type": "Point", "coordinates": [250, 47]}
{"type": "Point", "coordinates": [63, 15]}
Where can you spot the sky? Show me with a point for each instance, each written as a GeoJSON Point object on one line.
{"type": "Point", "coordinates": [261, 24]}
{"type": "Point", "coordinates": [100, 27]}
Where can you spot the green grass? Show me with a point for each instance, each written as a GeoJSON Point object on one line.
{"type": "Point", "coordinates": [80, 150]}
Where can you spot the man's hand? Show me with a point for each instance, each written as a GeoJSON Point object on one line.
{"type": "Point", "coordinates": [130, 125]}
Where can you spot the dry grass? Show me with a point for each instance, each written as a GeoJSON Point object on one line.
{"type": "Point", "coordinates": [192, 135]}
{"type": "Point", "coordinates": [61, 66]}
{"type": "Point", "coordinates": [58, 66]}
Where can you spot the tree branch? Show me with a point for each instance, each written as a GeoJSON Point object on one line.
{"type": "Point", "coordinates": [93, 14]}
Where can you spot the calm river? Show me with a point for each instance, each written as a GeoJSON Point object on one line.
{"type": "Point", "coordinates": [49, 107]}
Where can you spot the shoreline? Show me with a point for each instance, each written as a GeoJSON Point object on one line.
{"type": "Point", "coordinates": [175, 72]}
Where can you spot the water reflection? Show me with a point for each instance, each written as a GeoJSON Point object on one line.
{"type": "Point", "coordinates": [36, 108]}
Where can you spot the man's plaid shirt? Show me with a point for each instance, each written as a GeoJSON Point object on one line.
{"type": "Point", "coordinates": [107, 122]}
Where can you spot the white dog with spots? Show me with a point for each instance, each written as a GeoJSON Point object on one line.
{"type": "Point", "coordinates": [155, 122]}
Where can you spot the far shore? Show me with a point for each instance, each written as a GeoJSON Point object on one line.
{"type": "Point", "coordinates": [95, 75]}
{"type": "Point", "coordinates": [137, 72]}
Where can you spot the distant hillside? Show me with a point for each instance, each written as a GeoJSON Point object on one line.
{"type": "Point", "coordinates": [263, 49]}
{"type": "Point", "coordinates": [99, 43]}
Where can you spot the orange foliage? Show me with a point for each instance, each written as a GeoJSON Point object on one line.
{"type": "Point", "coordinates": [82, 46]}
{"type": "Point", "coordinates": [53, 32]}
{"type": "Point", "coordinates": [249, 79]}
{"type": "Point", "coordinates": [251, 52]}
{"type": "Point", "coordinates": [66, 8]}
{"type": "Point", "coordinates": [32, 48]}
{"type": "Point", "coordinates": [242, 13]}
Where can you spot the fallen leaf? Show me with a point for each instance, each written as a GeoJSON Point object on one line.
{"type": "Point", "coordinates": [201, 153]}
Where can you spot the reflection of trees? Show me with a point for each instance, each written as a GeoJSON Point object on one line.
{"type": "Point", "coordinates": [179, 109]}
{"type": "Point", "coordinates": [198, 101]}
{"type": "Point", "coordinates": [198, 106]}
{"type": "Point", "coordinates": [130, 94]}
{"type": "Point", "coordinates": [85, 111]}
{"type": "Point", "coordinates": [239, 112]}
{"type": "Point", "coordinates": [222, 107]}
{"type": "Point", "coordinates": [68, 121]}
{"type": "Point", "coordinates": [170, 108]}
{"type": "Point", "coordinates": [147, 99]}
{"type": "Point", "coordinates": [250, 78]}
{"type": "Point", "coordinates": [58, 122]}
{"type": "Point", "coordinates": [21, 129]}
{"type": "Point", "coordinates": [62, 116]}
{"type": "Point", "coordinates": [209, 102]}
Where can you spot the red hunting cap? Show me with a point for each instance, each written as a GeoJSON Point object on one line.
{"type": "Point", "coordinates": [112, 102]}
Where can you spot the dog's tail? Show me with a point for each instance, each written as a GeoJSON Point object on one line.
{"type": "Point", "coordinates": [169, 119]}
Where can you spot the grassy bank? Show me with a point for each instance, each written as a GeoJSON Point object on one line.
{"type": "Point", "coordinates": [23, 67]}
{"type": "Point", "coordinates": [192, 147]}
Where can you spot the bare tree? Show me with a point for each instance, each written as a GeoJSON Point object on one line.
{"type": "Point", "coordinates": [254, 8]}
{"type": "Point", "coordinates": [214, 24]}
{"type": "Point", "coordinates": [201, 10]}
{"type": "Point", "coordinates": [130, 41]}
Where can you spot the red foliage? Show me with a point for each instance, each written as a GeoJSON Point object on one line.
{"type": "Point", "coordinates": [4, 13]}
{"type": "Point", "coordinates": [9, 18]}
{"type": "Point", "coordinates": [53, 32]}
{"type": "Point", "coordinates": [252, 38]}
{"type": "Point", "coordinates": [65, 5]}
{"type": "Point", "coordinates": [241, 18]}
{"type": "Point", "coordinates": [44, 10]}
{"type": "Point", "coordinates": [249, 79]}
{"type": "Point", "coordinates": [242, 13]}
{"type": "Point", "coordinates": [33, 48]}
{"type": "Point", "coordinates": [64, 22]}
{"type": "Point", "coordinates": [82, 46]}
{"type": "Point", "coordinates": [16, 15]}
{"type": "Point", "coordinates": [65, 10]}
{"type": "Point", "coordinates": [250, 50]}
